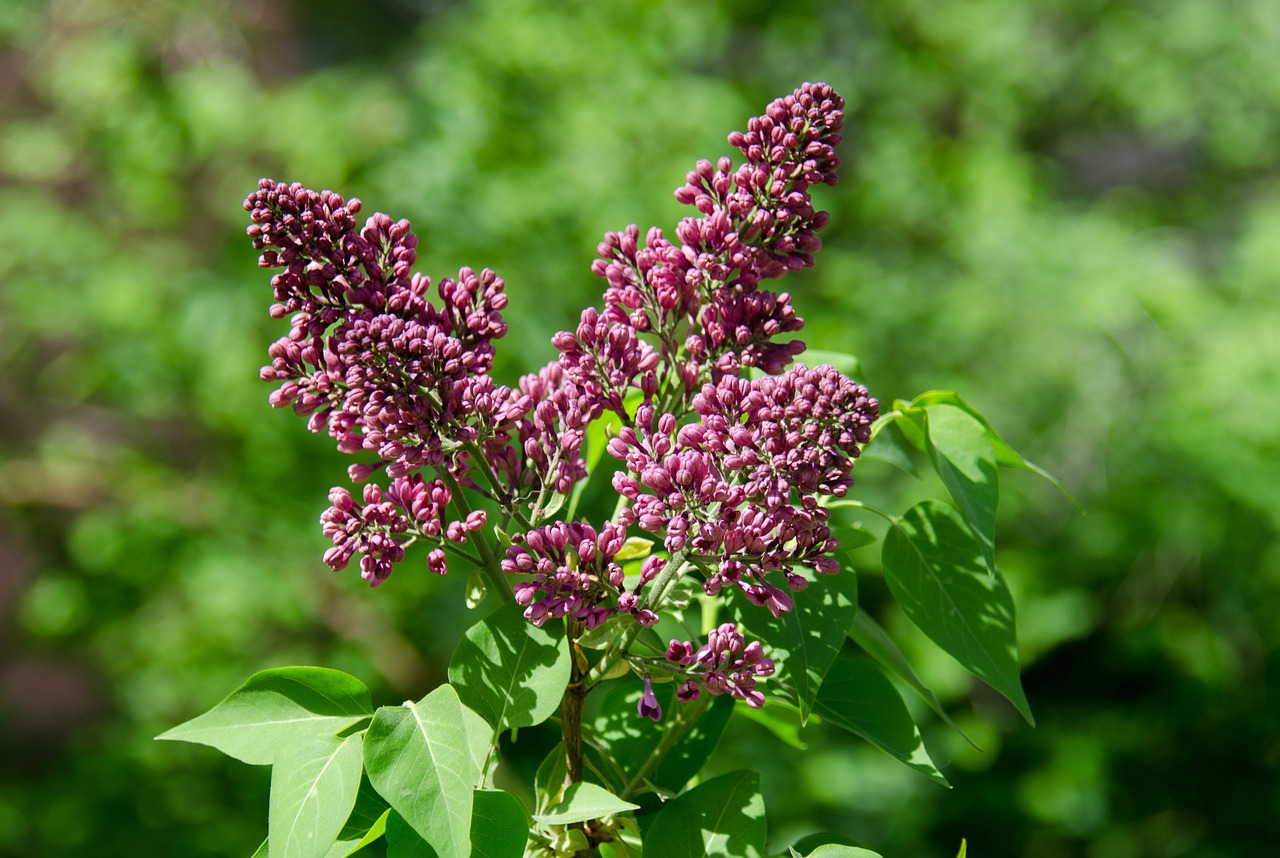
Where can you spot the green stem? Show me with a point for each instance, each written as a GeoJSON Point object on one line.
{"type": "Point", "coordinates": [658, 590]}
{"type": "Point", "coordinates": [480, 463]}
{"type": "Point", "coordinates": [856, 504]}
{"type": "Point", "coordinates": [687, 714]}
{"type": "Point", "coordinates": [492, 566]}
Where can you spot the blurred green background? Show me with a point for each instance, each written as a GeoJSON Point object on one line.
{"type": "Point", "coordinates": [1068, 211]}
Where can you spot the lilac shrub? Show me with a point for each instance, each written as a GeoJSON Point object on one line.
{"type": "Point", "coordinates": [726, 454]}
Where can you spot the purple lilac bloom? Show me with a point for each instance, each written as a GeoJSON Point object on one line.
{"type": "Point", "coordinates": [648, 706]}
{"type": "Point", "coordinates": [725, 664]}
{"type": "Point", "coordinates": [574, 574]}
{"type": "Point", "coordinates": [754, 222]}
{"type": "Point", "coordinates": [741, 487]}
{"type": "Point", "coordinates": [371, 360]}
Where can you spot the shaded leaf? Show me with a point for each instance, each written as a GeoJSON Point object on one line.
{"type": "Point", "coordinates": [583, 801]}
{"type": "Point", "coordinates": [277, 707]}
{"type": "Point", "coordinates": [548, 781]}
{"type": "Point", "coordinates": [365, 824]}
{"type": "Point", "coordinates": [861, 699]}
{"type": "Point", "coordinates": [722, 817]}
{"type": "Point", "coordinates": [422, 759]}
{"type": "Point", "coordinates": [510, 671]}
{"type": "Point", "coordinates": [404, 842]}
{"type": "Point", "coordinates": [875, 642]}
{"type": "Point", "coordinates": [499, 825]}
{"type": "Point", "coordinates": [938, 575]}
{"type": "Point", "coordinates": [313, 790]}
{"type": "Point", "coordinates": [630, 739]}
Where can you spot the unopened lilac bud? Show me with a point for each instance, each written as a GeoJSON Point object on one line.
{"type": "Point", "coordinates": [648, 706]}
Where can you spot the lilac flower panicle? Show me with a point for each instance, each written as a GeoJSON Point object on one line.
{"type": "Point", "coordinates": [725, 664]}
{"type": "Point", "coordinates": [741, 487]}
{"type": "Point", "coordinates": [728, 472]}
{"type": "Point", "coordinates": [371, 360]}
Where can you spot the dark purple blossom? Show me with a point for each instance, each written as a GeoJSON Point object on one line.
{"type": "Point", "coordinates": [725, 664]}
{"type": "Point", "coordinates": [573, 574]}
{"type": "Point", "coordinates": [741, 487]}
{"type": "Point", "coordinates": [379, 528]}
{"type": "Point", "coordinates": [648, 705]}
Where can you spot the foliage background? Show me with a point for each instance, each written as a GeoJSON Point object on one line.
{"type": "Point", "coordinates": [1068, 211]}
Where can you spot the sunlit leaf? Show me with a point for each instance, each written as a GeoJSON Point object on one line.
{"type": "Point", "coordinates": [420, 758]}
{"type": "Point", "coordinates": [583, 801]}
{"type": "Point", "coordinates": [277, 707]}
{"type": "Point", "coordinates": [313, 789]}
{"type": "Point", "coordinates": [723, 817]}
{"type": "Point", "coordinates": [510, 671]}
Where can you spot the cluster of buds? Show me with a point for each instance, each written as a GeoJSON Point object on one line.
{"type": "Point", "coordinates": [370, 529]}
{"type": "Point", "coordinates": [575, 574]}
{"type": "Point", "coordinates": [725, 664]}
{"type": "Point", "coordinates": [740, 488]}
{"type": "Point", "coordinates": [728, 471]}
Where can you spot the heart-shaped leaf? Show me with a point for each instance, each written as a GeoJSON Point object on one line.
{"type": "Point", "coordinates": [275, 708]}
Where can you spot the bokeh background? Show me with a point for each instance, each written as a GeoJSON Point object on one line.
{"type": "Point", "coordinates": [1067, 210]}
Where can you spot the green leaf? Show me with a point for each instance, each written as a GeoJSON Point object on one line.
{"type": "Point", "coordinates": [938, 575]}
{"type": "Point", "coordinates": [509, 670]}
{"type": "Point", "coordinates": [888, 445]}
{"type": "Point", "coordinates": [275, 708]}
{"type": "Point", "coordinates": [964, 849]}
{"type": "Point", "coordinates": [499, 825]}
{"type": "Point", "coordinates": [313, 789]}
{"type": "Point", "coordinates": [631, 739]}
{"type": "Point", "coordinates": [635, 548]}
{"type": "Point", "coordinates": [722, 817]}
{"type": "Point", "coordinates": [548, 781]}
{"type": "Point", "coordinates": [805, 640]}
{"type": "Point", "coordinates": [845, 363]}
{"type": "Point", "coordinates": [583, 801]}
{"type": "Point", "coordinates": [780, 719]}
{"type": "Point", "coordinates": [810, 842]}
{"type": "Point", "coordinates": [365, 824]}
{"type": "Point", "coordinates": [261, 851]}
{"type": "Point", "coordinates": [422, 758]}
{"type": "Point", "coordinates": [404, 842]}
{"type": "Point", "coordinates": [840, 851]}
{"type": "Point", "coordinates": [1006, 456]}
{"type": "Point", "coordinates": [860, 699]}
{"type": "Point", "coordinates": [963, 457]}
{"type": "Point", "coordinates": [875, 642]}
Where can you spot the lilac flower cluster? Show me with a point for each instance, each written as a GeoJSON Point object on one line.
{"type": "Point", "coordinates": [725, 664]}
{"type": "Point", "coordinates": [700, 298]}
{"type": "Point", "coordinates": [369, 529]}
{"type": "Point", "coordinates": [741, 487]}
{"type": "Point", "coordinates": [729, 472]}
{"type": "Point", "coordinates": [574, 574]}
{"type": "Point", "coordinates": [369, 358]}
